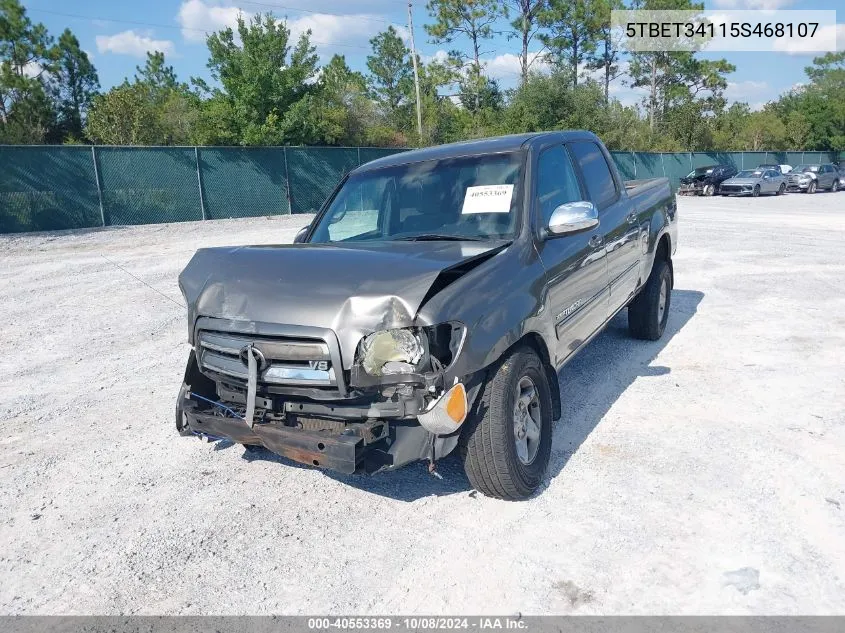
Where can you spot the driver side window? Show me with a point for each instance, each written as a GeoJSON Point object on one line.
{"type": "Point", "coordinates": [556, 182]}
{"type": "Point", "coordinates": [359, 211]}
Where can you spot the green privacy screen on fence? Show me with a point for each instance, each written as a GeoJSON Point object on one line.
{"type": "Point", "coordinates": [47, 188]}
{"type": "Point", "coordinates": [44, 188]}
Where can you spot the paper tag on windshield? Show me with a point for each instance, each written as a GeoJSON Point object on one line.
{"type": "Point", "coordinates": [488, 199]}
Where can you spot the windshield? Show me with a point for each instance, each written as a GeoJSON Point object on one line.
{"type": "Point", "coordinates": [749, 173]}
{"type": "Point", "coordinates": [701, 171]}
{"type": "Point", "coordinates": [471, 198]}
{"type": "Point", "coordinates": [813, 168]}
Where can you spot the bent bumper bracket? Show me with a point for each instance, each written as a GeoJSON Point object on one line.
{"type": "Point", "coordinates": [342, 453]}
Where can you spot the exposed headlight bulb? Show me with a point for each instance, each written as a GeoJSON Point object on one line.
{"type": "Point", "coordinates": [387, 352]}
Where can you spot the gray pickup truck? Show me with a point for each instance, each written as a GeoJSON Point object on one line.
{"type": "Point", "coordinates": [429, 306]}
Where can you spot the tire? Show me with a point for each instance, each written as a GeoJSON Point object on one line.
{"type": "Point", "coordinates": [834, 187]}
{"type": "Point", "coordinates": [709, 190]}
{"type": "Point", "coordinates": [811, 188]}
{"type": "Point", "coordinates": [756, 191]}
{"type": "Point", "coordinates": [489, 440]}
{"type": "Point", "coordinates": [781, 189]}
{"type": "Point", "coordinates": [646, 321]}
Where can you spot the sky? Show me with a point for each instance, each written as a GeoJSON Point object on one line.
{"type": "Point", "coordinates": [117, 34]}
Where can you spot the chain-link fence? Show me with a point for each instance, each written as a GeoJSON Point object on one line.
{"type": "Point", "coordinates": [46, 188]}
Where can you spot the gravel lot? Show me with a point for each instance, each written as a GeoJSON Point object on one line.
{"type": "Point", "coordinates": [703, 473]}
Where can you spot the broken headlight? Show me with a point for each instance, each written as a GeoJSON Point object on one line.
{"type": "Point", "coordinates": [387, 352]}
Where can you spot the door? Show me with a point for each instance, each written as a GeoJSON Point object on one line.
{"type": "Point", "coordinates": [825, 177]}
{"type": "Point", "coordinates": [576, 265]}
{"type": "Point", "coordinates": [619, 222]}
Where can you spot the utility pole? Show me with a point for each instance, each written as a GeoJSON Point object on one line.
{"type": "Point", "coordinates": [416, 72]}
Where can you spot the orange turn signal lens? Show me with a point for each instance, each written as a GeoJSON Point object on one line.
{"type": "Point", "coordinates": [447, 414]}
{"type": "Point", "coordinates": [456, 403]}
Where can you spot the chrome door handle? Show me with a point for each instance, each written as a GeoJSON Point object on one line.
{"type": "Point", "coordinates": [596, 241]}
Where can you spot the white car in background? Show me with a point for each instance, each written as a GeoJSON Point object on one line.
{"type": "Point", "coordinates": [783, 169]}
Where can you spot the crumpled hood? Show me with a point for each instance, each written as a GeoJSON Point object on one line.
{"type": "Point", "coordinates": [688, 180]}
{"type": "Point", "coordinates": [352, 289]}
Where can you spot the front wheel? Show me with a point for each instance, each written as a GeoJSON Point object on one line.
{"type": "Point", "coordinates": [756, 191]}
{"type": "Point", "coordinates": [835, 186]}
{"type": "Point", "coordinates": [811, 188]}
{"type": "Point", "coordinates": [507, 440]}
{"type": "Point", "coordinates": [709, 190]}
{"type": "Point", "coordinates": [649, 311]}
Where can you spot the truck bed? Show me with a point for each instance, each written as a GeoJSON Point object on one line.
{"type": "Point", "coordinates": [633, 186]}
{"type": "Point", "coordinates": [649, 193]}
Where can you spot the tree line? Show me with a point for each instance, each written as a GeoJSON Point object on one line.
{"type": "Point", "coordinates": [267, 89]}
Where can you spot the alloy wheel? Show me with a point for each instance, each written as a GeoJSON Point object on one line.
{"type": "Point", "coordinates": [526, 420]}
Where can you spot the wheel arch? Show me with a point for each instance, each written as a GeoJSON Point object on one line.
{"type": "Point", "coordinates": [536, 342]}
{"type": "Point", "coordinates": [663, 251]}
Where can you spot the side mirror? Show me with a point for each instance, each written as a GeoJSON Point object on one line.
{"type": "Point", "coordinates": [300, 235]}
{"type": "Point", "coordinates": [573, 217]}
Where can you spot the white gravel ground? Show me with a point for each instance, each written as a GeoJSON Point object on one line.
{"type": "Point", "coordinates": [704, 473]}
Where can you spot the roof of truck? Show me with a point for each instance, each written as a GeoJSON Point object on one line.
{"type": "Point", "coordinates": [494, 145]}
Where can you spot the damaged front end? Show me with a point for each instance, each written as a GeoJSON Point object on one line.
{"type": "Point", "coordinates": [286, 388]}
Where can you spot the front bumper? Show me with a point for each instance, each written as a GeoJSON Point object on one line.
{"type": "Point", "coordinates": [694, 189]}
{"type": "Point", "coordinates": [342, 453]}
{"type": "Point", "coordinates": [798, 186]}
{"type": "Point", "coordinates": [361, 447]}
{"type": "Point", "coordinates": [362, 436]}
{"type": "Point", "coordinates": [736, 190]}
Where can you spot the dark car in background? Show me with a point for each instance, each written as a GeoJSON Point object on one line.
{"type": "Point", "coordinates": [706, 180]}
{"type": "Point", "coordinates": [812, 177]}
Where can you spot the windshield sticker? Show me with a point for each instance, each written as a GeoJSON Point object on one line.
{"type": "Point", "coordinates": [488, 199]}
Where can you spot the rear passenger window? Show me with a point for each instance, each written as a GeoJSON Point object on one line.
{"type": "Point", "coordinates": [597, 177]}
{"type": "Point", "coordinates": [556, 181]}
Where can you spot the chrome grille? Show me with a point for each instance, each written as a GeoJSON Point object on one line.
{"type": "Point", "coordinates": [289, 361]}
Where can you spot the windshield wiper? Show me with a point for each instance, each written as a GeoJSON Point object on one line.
{"type": "Point", "coordinates": [434, 237]}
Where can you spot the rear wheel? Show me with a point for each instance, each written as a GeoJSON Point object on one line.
{"type": "Point", "coordinates": [649, 311]}
{"type": "Point", "coordinates": [781, 189]}
{"type": "Point", "coordinates": [507, 440]}
{"type": "Point", "coordinates": [835, 186]}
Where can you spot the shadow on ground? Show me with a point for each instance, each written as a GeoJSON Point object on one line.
{"type": "Point", "coordinates": [590, 384]}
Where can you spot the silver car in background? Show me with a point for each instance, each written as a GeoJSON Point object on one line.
{"type": "Point", "coordinates": [810, 178]}
{"type": "Point", "coordinates": [753, 182]}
